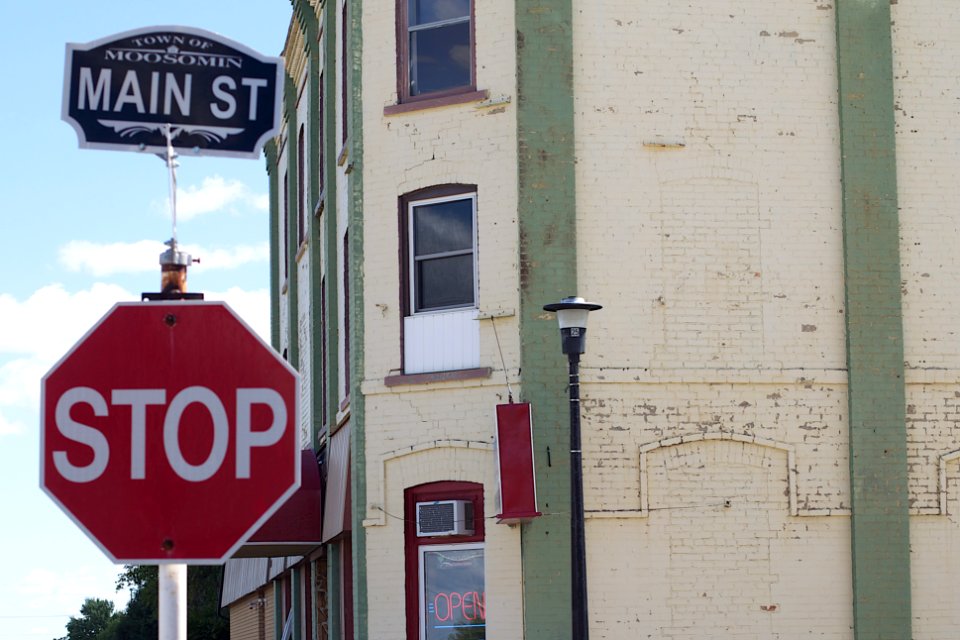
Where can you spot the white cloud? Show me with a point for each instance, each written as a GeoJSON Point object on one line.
{"type": "Point", "coordinates": [252, 306]}
{"type": "Point", "coordinates": [37, 332]}
{"type": "Point", "coordinates": [10, 427]}
{"type": "Point", "coordinates": [105, 259]}
{"type": "Point", "coordinates": [66, 589]}
{"type": "Point", "coordinates": [113, 258]}
{"type": "Point", "coordinates": [214, 194]}
{"type": "Point", "coordinates": [51, 319]}
{"type": "Point", "coordinates": [228, 258]}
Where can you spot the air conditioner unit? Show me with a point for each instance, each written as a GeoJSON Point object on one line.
{"type": "Point", "coordinates": [445, 518]}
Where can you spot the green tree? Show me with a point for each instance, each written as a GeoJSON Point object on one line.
{"type": "Point", "coordinates": [203, 604]}
{"type": "Point", "coordinates": [95, 620]}
{"type": "Point", "coordinates": [138, 621]}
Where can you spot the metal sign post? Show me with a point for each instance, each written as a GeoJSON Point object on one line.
{"type": "Point", "coordinates": [158, 90]}
{"type": "Point", "coordinates": [172, 605]}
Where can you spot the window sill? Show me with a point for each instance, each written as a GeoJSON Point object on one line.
{"type": "Point", "coordinates": [437, 376]}
{"type": "Point", "coordinates": [433, 103]}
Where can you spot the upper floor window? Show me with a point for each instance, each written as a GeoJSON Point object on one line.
{"type": "Point", "coordinates": [437, 48]}
{"type": "Point", "coordinates": [442, 251]}
{"type": "Point", "coordinates": [301, 186]}
{"type": "Point", "coordinates": [439, 282]}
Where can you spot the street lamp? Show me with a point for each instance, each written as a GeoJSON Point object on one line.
{"type": "Point", "coordinates": [572, 315]}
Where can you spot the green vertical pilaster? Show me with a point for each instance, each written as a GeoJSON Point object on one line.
{"type": "Point", "coordinates": [880, 527]}
{"type": "Point", "coordinates": [296, 597]}
{"type": "Point", "coordinates": [270, 153]}
{"type": "Point", "coordinates": [358, 451]}
{"type": "Point", "coordinates": [278, 609]}
{"type": "Point", "coordinates": [334, 592]}
{"type": "Point", "coordinates": [290, 106]}
{"type": "Point", "coordinates": [548, 272]}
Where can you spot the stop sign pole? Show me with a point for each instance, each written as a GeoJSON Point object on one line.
{"type": "Point", "coordinates": [150, 423]}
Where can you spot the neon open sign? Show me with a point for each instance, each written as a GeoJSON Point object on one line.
{"type": "Point", "coordinates": [449, 607]}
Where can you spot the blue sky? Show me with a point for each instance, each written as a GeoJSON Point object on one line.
{"type": "Point", "coordinates": [83, 229]}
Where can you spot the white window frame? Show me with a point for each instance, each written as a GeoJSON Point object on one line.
{"type": "Point", "coordinates": [411, 243]}
{"type": "Point", "coordinates": [422, 586]}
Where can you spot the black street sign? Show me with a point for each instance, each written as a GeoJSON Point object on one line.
{"type": "Point", "coordinates": [218, 96]}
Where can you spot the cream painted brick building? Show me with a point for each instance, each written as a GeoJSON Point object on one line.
{"type": "Point", "coordinates": [760, 195]}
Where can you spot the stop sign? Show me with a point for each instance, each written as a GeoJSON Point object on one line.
{"type": "Point", "coordinates": [168, 432]}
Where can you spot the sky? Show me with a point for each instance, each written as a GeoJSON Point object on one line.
{"type": "Point", "coordinates": [81, 230]}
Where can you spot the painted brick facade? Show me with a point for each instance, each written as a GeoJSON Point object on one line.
{"type": "Point", "coordinates": [760, 196]}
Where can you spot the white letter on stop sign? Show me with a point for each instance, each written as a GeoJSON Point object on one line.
{"type": "Point", "coordinates": [83, 434]}
{"type": "Point", "coordinates": [171, 434]}
{"type": "Point", "coordinates": [247, 439]}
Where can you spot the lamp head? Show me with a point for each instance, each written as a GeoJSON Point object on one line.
{"type": "Point", "coordinates": [572, 315]}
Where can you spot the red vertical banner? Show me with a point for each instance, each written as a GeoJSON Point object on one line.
{"type": "Point", "coordinates": [518, 488]}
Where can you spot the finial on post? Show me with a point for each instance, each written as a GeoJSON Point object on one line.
{"type": "Point", "coordinates": [173, 269]}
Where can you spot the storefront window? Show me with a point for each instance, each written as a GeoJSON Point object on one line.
{"type": "Point", "coordinates": [445, 584]}
{"type": "Point", "coordinates": [452, 597]}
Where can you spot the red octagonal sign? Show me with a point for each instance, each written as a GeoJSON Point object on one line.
{"type": "Point", "coordinates": [168, 432]}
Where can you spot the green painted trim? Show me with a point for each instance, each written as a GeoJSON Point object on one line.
{"type": "Point", "coordinates": [548, 272]}
{"type": "Point", "coordinates": [314, 622]}
{"type": "Point", "coordinates": [335, 591]}
{"type": "Point", "coordinates": [330, 74]}
{"type": "Point", "coordinates": [270, 153]}
{"type": "Point", "coordinates": [277, 609]}
{"type": "Point", "coordinates": [293, 313]}
{"type": "Point", "coordinates": [296, 609]}
{"type": "Point", "coordinates": [358, 446]}
{"type": "Point", "coordinates": [880, 522]}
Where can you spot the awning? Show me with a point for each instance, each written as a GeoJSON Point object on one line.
{"type": "Point", "coordinates": [295, 528]}
{"type": "Point", "coordinates": [336, 514]}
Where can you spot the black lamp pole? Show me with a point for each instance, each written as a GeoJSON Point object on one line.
{"type": "Point", "coordinates": [572, 315]}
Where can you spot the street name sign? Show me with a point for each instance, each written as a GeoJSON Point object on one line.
{"type": "Point", "coordinates": [217, 96]}
{"type": "Point", "coordinates": [168, 432]}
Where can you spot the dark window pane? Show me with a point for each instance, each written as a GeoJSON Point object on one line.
{"type": "Point", "coordinates": [442, 227]}
{"type": "Point", "coordinates": [444, 282]}
{"type": "Point", "coordinates": [440, 58]}
{"type": "Point", "coordinates": [454, 595]}
{"type": "Point", "coordinates": [427, 11]}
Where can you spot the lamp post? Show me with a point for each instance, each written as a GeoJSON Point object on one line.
{"type": "Point", "coordinates": [572, 315]}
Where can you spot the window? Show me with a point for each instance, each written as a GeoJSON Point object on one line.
{"type": "Point", "coordinates": [285, 240]}
{"type": "Point", "coordinates": [301, 166]}
{"type": "Point", "coordinates": [436, 48]}
{"type": "Point", "coordinates": [452, 598]}
{"type": "Point", "coordinates": [323, 354]}
{"type": "Point", "coordinates": [344, 97]}
{"type": "Point", "coordinates": [442, 250]}
{"type": "Point", "coordinates": [440, 286]}
{"type": "Point", "coordinates": [321, 167]}
{"type": "Point", "coordinates": [446, 594]}
{"type": "Point", "coordinates": [346, 315]}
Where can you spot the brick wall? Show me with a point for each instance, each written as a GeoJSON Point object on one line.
{"type": "Point", "coordinates": [709, 220]}
{"type": "Point", "coordinates": [926, 89]}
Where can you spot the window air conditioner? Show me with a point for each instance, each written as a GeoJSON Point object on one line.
{"type": "Point", "coordinates": [445, 518]}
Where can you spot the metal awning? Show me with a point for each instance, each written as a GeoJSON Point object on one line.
{"type": "Point", "coordinates": [336, 514]}
{"type": "Point", "coordinates": [294, 530]}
